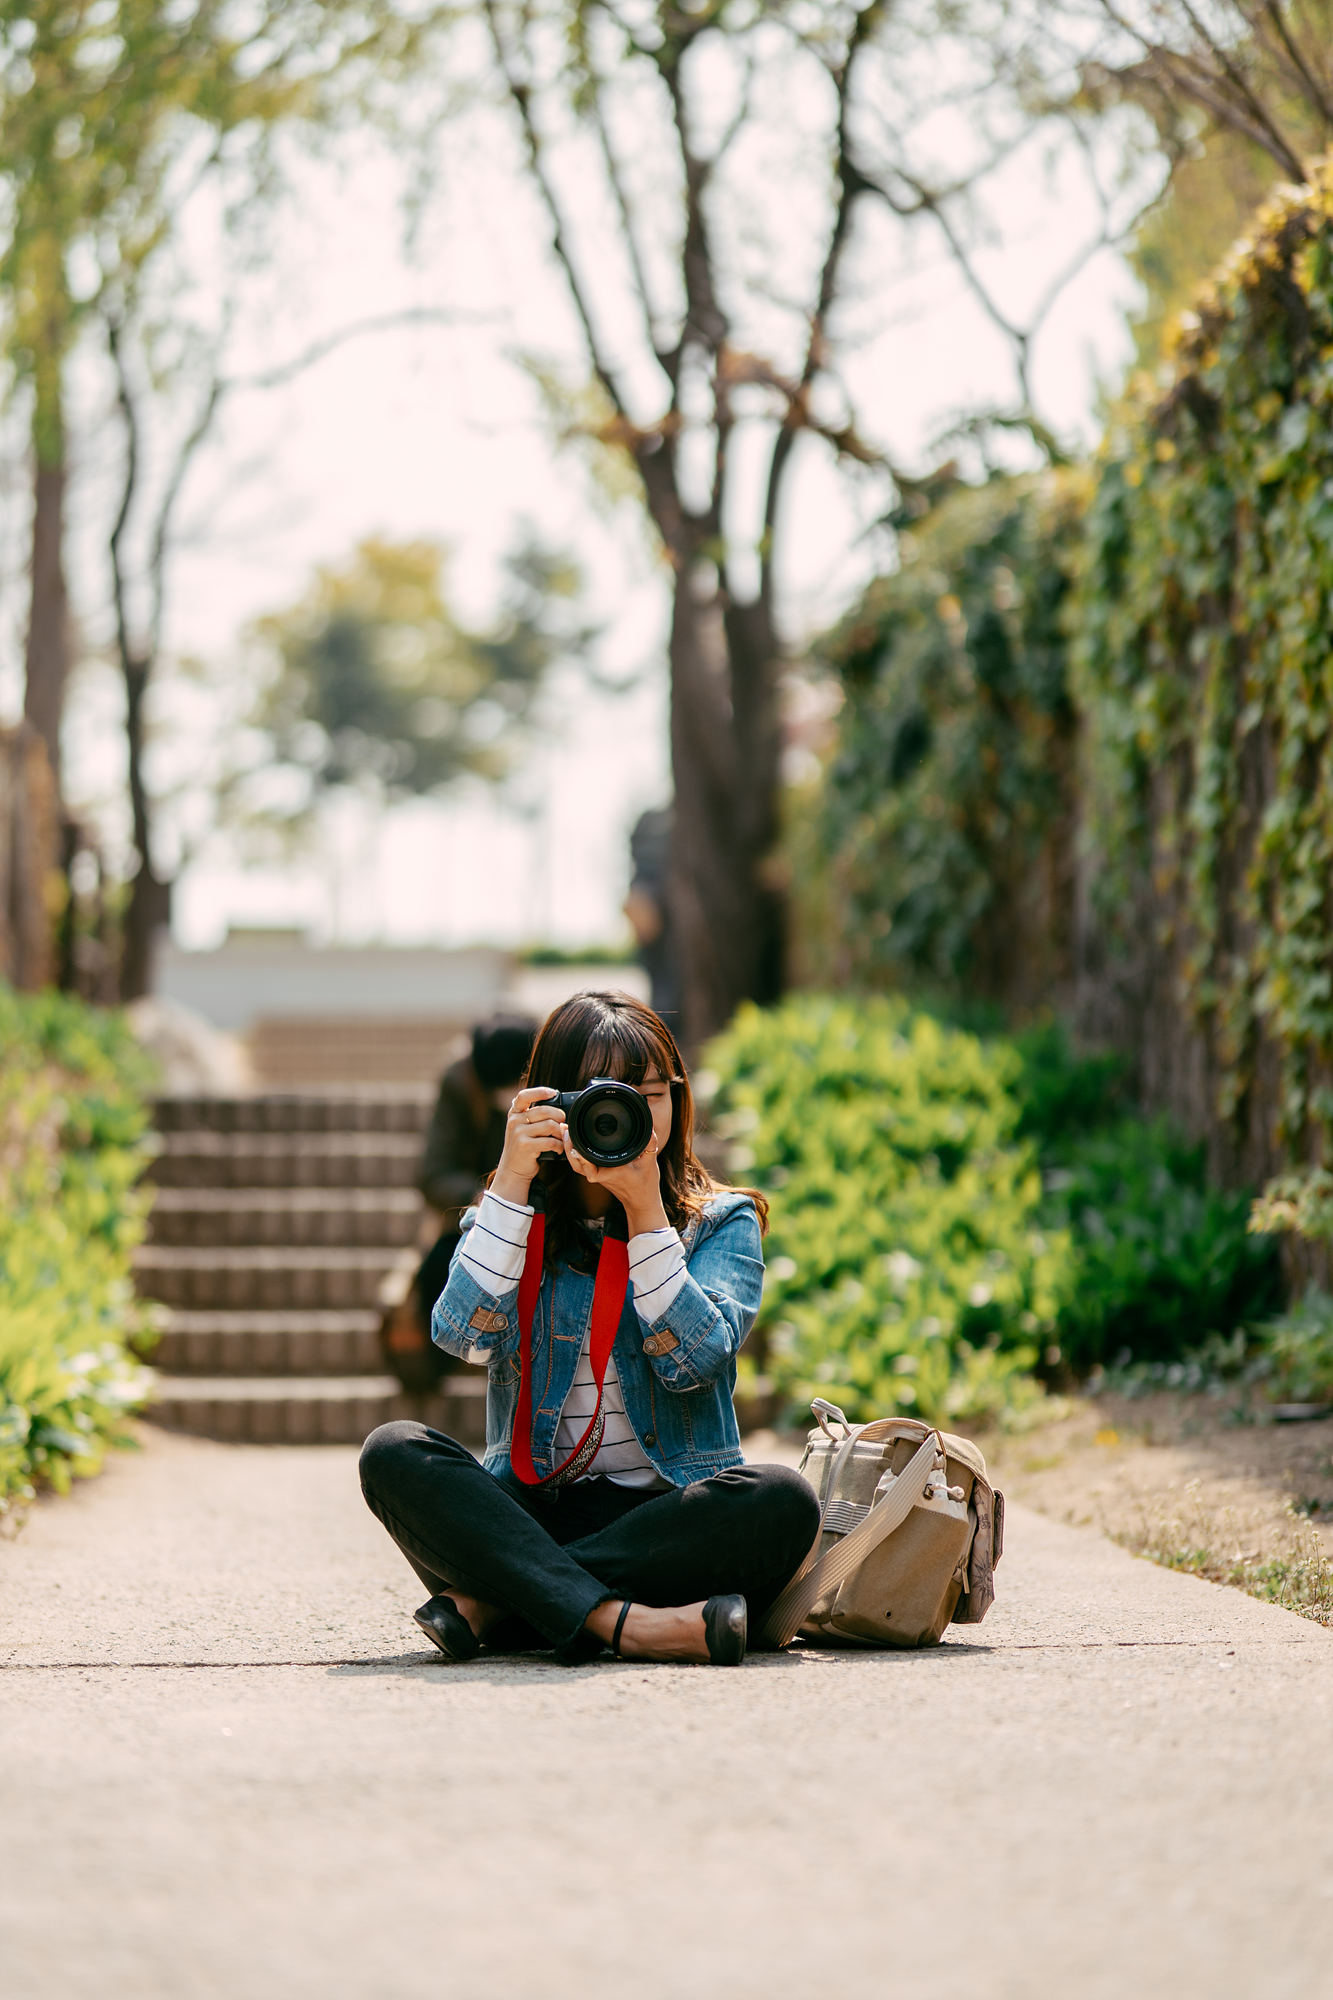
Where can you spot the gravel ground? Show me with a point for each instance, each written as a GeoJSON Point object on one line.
{"type": "Point", "coordinates": [230, 1769]}
{"type": "Point", "coordinates": [1113, 1463]}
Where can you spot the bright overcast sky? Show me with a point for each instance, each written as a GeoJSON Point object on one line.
{"type": "Point", "coordinates": [433, 431]}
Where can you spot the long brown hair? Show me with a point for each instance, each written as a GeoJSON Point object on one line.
{"type": "Point", "coordinates": [615, 1035]}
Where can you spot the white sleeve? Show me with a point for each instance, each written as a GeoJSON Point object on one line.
{"type": "Point", "coordinates": [657, 1271]}
{"type": "Point", "coordinates": [494, 1248]}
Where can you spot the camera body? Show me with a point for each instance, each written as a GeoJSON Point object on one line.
{"type": "Point", "coordinates": [609, 1123]}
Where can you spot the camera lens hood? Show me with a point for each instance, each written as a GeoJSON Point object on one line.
{"type": "Point", "coordinates": [609, 1122]}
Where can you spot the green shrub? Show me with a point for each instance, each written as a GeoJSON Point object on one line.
{"type": "Point", "coordinates": [1287, 1359]}
{"type": "Point", "coordinates": [1294, 1352]}
{"type": "Point", "coordinates": [946, 1208]}
{"type": "Point", "coordinates": [1062, 1095]}
{"type": "Point", "coordinates": [72, 1130]}
{"type": "Point", "coordinates": [1162, 1260]}
{"type": "Point", "coordinates": [908, 1268]}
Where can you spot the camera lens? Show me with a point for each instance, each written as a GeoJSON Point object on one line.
{"type": "Point", "coordinates": [610, 1124]}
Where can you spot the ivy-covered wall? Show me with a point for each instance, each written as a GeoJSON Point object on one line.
{"type": "Point", "coordinates": [1203, 668]}
{"type": "Point", "coordinates": [943, 843]}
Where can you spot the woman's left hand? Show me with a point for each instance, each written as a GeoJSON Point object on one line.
{"type": "Point", "coordinates": [637, 1187]}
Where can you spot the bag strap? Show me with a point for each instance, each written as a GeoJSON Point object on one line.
{"type": "Point", "coordinates": [812, 1579]}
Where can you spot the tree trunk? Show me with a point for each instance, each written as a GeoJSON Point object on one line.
{"type": "Point", "coordinates": [149, 909]}
{"type": "Point", "coordinates": [47, 661]}
{"type": "Point", "coordinates": [28, 860]}
{"type": "Point", "coordinates": [726, 905]}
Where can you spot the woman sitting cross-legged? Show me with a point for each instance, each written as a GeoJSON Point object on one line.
{"type": "Point", "coordinates": [613, 1506]}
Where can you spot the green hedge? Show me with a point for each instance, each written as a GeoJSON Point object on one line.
{"type": "Point", "coordinates": [1162, 1260]}
{"type": "Point", "coordinates": [72, 1145]}
{"type": "Point", "coordinates": [908, 1267]}
{"type": "Point", "coordinates": [951, 1214]}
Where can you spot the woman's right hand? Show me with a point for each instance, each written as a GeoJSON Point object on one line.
{"type": "Point", "coordinates": [532, 1128]}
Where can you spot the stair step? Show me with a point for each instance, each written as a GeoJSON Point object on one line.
{"type": "Point", "coordinates": [282, 1279]}
{"type": "Point", "coordinates": [202, 1159]}
{"type": "Point", "coordinates": [291, 1051]}
{"type": "Point", "coordinates": [270, 1343]}
{"type": "Point", "coordinates": [334, 1410]}
{"type": "Point", "coordinates": [283, 1223]}
{"type": "Point", "coordinates": [373, 1108]}
{"type": "Point", "coordinates": [353, 1218]}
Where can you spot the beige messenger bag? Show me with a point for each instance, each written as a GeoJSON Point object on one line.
{"type": "Point", "coordinates": [909, 1535]}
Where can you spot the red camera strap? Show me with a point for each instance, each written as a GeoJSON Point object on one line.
{"type": "Point", "coordinates": [608, 1302]}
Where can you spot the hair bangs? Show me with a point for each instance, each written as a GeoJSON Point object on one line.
{"type": "Point", "coordinates": [621, 1049]}
{"type": "Point", "coordinates": [616, 1036]}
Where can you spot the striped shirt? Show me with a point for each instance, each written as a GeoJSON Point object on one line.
{"type": "Point", "coordinates": [494, 1248]}
{"type": "Point", "coordinates": [493, 1252]}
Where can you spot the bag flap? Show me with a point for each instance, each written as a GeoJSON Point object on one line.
{"type": "Point", "coordinates": [965, 1452]}
{"type": "Point", "coordinates": [914, 1430]}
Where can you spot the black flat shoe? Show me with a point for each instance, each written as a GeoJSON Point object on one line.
{"type": "Point", "coordinates": [446, 1627]}
{"type": "Point", "coordinates": [725, 1620]}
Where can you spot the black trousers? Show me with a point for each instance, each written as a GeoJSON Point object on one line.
{"type": "Point", "coordinates": [550, 1561]}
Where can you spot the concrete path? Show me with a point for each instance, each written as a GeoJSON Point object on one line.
{"type": "Point", "coordinates": [228, 1767]}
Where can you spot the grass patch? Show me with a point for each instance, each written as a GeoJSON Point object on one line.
{"type": "Point", "coordinates": [1223, 1545]}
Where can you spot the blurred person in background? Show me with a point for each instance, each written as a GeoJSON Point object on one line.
{"type": "Point", "coordinates": [463, 1147]}
{"type": "Point", "coordinates": [647, 908]}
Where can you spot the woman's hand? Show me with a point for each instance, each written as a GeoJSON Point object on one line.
{"type": "Point", "coordinates": [637, 1187]}
{"type": "Point", "coordinates": [532, 1128]}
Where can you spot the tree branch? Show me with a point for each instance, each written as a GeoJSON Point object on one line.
{"type": "Point", "coordinates": [157, 559]}
{"type": "Point", "coordinates": [1317, 94]}
{"type": "Point", "coordinates": [127, 409]}
{"type": "Point", "coordinates": [285, 371]}
{"type": "Point", "coordinates": [1279, 148]}
{"type": "Point", "coordinates": [621, 199]}
{"type": "Point", "coordinates": [1021, 338]}
{"type": "Point", "coordinates": [851, 185]}
{"type": "Point", "coordinates": [1201, 84]}
{"type": "Point", "coordinates": [521, 98]}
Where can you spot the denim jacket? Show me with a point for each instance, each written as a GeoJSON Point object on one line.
{"type": "Point", "coordinates": [677, 1375]}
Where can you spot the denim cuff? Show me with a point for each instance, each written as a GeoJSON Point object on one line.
{"type": "Point", "coordinates": [465, 1315]}
{"type": "Point", "coordinates": [699, 1334]}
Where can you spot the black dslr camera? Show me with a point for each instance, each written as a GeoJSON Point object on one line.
{"type": "Point", "coordinates": [609, 1123]}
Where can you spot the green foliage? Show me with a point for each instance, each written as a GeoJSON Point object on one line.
{"type": "Point", "coordinates": [586, 954]}
{"type": "Point", "coordinates": [1202, 667]}
{"type": "Point", "coordinates": [375, 679]}
{"type": "Point", "coordinates": [1162, 1260]}
{"type": "Point", "coordinates": [1295, 1352]}
{"type": "Point", "coordinates": [1065, 1095]}
{"type": "Point", "coordinates": [907, 1265]}
{"type": "Point", "coordinates": [1286, 1359]}
{"type": "Point", "coordinates": [1300, 1202]}
{"type": "Point", "coordinates": [72, 1132]}
{"type": "Point", "coordinates": [946, 1209]}
{"type": "Point", "coordinates": [943, 817]}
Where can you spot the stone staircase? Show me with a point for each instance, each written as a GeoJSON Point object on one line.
{"type": "Point", "coordinates": [281, 1227]}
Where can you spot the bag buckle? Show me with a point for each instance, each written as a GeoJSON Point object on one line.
{"type": "Point", "coordinates": [822, 1412]}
